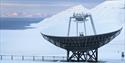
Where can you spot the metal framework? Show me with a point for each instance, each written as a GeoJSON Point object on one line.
{"type": "Point", "coordinates": [82, 55]}
{"type": "Point", "coordinates": [81, 18]}
{"type": "Point", "coordinates": [82, 48]}
{"type": "Point", "coordinates": [86, 56]}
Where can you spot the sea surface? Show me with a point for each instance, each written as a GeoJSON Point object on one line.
{"type": "Point", "coordinates": [11, 23]}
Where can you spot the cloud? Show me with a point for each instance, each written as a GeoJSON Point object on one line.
{"type": "Point", "coordinates": [33, 5]}
{"type": "Point", "coordinates": [46, 2]}
{"type": "Point", "coordinates": [41, 6]}
{"type": "Point", "coordinates": [9, 8]}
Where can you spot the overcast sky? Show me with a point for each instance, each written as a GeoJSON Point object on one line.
{"type": "Point", "coordinates": [30, 8]}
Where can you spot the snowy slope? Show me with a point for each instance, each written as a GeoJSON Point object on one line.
{"type": "Point", "coordinates": [108, 16]}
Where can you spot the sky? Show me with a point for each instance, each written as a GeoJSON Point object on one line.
{"type": "Point", "coordinates": [40, 8]}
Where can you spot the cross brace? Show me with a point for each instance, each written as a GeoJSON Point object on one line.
{"type": "Point", "coordinates": [82, 56]}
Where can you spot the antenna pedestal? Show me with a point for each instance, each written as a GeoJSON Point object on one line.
{"type": "Point", "coordinates": [82, 56]}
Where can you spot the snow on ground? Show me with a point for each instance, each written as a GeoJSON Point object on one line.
{"type": "Point", "coordinates": [107, 61]}
{"type": "Point", "coordinates": [26, 42]}
{"type": "Point", "coordinates": [27, 62]}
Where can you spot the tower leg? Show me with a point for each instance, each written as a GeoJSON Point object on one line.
{"type": "Point", "coordinates": [68, 55]}
{"type": "Point", "coordinates": [96, 55]}
{"type": "Point", "coordinates": [83, 56]}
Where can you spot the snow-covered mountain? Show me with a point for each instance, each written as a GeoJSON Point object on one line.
{"type": "Point", "coordinates": [107, 17]}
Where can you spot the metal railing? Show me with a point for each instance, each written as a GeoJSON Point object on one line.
{"type": "Point", "coordinates": [32, 58]}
